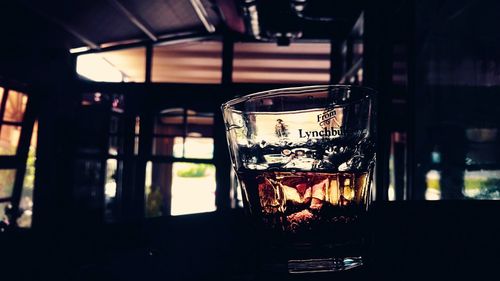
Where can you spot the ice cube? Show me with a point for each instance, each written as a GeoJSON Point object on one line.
{"type": "Point", "coordinates": [333, 192]}
{"type": "Point", "coordinates": [271, 197]}
{"type": "Point", "coordinates": [292, 194]}
{"type": "Point", "coordinates": [343, 167]}
{"type": "Point", "coordinates": [316, 203]}
{"type": "Point", "coordinates": [307, 195]}
{"type": "Point", "coordinates": [300, 220]}
{"type": "Point", "coordinates": [318, 188]}
{"type": "Point", "coordinates": [301, 188]}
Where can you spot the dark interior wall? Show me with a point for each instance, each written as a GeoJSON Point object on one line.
{"type": "Point", "coordinates": [32, 48]}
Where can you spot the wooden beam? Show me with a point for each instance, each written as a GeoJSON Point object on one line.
{"type": "Point", "coordinates": [134, 19]}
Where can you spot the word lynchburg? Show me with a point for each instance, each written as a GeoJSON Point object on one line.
{"type": "Point", "coordinates": [327, 132]}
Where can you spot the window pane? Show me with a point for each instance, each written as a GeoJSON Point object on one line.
{"type": "Point", "coordinates": [1, 93]}
{"type": "Point", "coordinates": [26, 203]}
{"type": "Point", "coordinates": [173, 124]}
{"type": "Point", "coordinates": [3, 207]}
{"type": "Point", "coordinates": [137, 127]}
{"type": "Point", "coordinates": [115, 145]}
{"type": "Point", "coordinates": [199, 148]}
{"type": "Point", "coordinates": [170, 122]}
{"type": "Point", "coordinates": [269, 63]}
{"type": "Point", "coordinates": [112, 188]}
{"type": "Point", "coordinates": [9, 139]}
{"type": "Point", "coordinates": [482, 184]}
{"type": "Point", "coordinates": [168, 146]}
{"type": "Point", "coordinates": [200, 124]}
{"type": "Point", "coordinates": [194, 62]}
{"type": "Point", "coordinates": [157, 189]}
{"type": "Point", "coordinates": [114, 66]}
{"type": "Point", "coordinates": [193, 188]}
{"type": "Point", "coordinates": [136, 145]}
{"type": "Point", "coordinates": [433, 185]}
{"type": "Point", "coordinates": [179, 188]}
{"type": "Point", "coordinates": [7, 178]}
{"type": "Point", "coordinates": [15, 106]}
{"type": "Point", "coordinates": [88, 190]}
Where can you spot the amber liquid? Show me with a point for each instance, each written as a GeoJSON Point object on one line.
{"type": "Point", "coordinates": [308, 212]}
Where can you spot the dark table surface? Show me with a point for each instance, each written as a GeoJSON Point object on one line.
{"type": "Point", "coordinates": [442, 240]}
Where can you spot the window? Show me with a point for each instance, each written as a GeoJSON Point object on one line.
{"type": "Point", "coordinates": [181, 179]}
{"type": "Point", "coordinates": [7, 178]}
{"type": "Point", "coordinates": [26, 202]}
{"type": "Point", "coordinates": [9, 139]}
{"type": "Point", "coordinates": [13, 106]}
{"type": "Point", "coordinates": [194, 62]}
{"type": "Point", "coordinates": [269, 63]}
{"type": "Point", "coordinates": [483, 184]}
{"type": "Point", "coordinates": [183, 134]}
{"type": "Point", "coordinates": [4, 207]}
{"type": "Point", "coordinates": [128, 65]}
{"type": "Point", "coordinates": [102, 148]}
{"type": "Point", "coordinates": [16, 185]}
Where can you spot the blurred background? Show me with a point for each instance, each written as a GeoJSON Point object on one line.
{"type": "Point", "coordinates": [113, 157]}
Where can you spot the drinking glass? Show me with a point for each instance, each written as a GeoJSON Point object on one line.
{"type": "Point", "coordinates": [304, 158]}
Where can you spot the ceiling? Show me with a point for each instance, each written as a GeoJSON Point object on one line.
{"type": "Point", "coordinates": [101, 23]}
{"type": "Point", "coordinates": [97, 23]}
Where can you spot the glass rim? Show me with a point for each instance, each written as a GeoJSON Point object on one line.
{"type": "Point", "coordinates": [294, 90]}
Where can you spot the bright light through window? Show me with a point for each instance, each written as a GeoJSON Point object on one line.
{"type": "Point", "coordinates": [193, 188]}
{"type": "Point", "coordinates": [433, 191]}
{"type": "Point", "coordinates": [127, 65]}
{"type": "Point", "coordinates": [96, 68]}
{"type": "Point", "coordinates": [197, 148]}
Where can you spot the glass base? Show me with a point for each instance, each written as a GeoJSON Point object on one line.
{"type": "Point", "coordinates": [324, 265]}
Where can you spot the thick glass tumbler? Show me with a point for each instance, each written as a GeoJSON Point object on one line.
{"type": "Point", "coordinates": [304, 158]}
